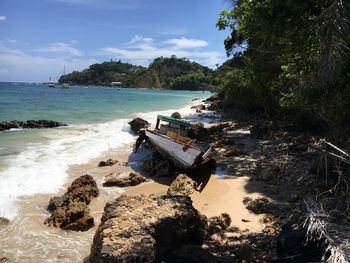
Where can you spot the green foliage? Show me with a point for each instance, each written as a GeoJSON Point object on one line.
{"type": "Point", "coordinates": [192, 81]}
{"type": "Point", "coordinates": [288, 57]}
{"type": "Point", "coordinates": [104, 74]}
{"type": "Point", "coordinates": [173, 73]}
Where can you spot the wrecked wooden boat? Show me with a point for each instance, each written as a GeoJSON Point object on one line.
{"type": "Point", "coordinates": [170, 139]}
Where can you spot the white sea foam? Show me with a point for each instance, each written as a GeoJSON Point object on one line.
{"type": "Point", "coordinates": [42, 168]}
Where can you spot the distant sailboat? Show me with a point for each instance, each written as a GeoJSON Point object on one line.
{"type": "Point", "coordinates": [51, 84]}
{"type": "Point", "coordinates": [64, 85]}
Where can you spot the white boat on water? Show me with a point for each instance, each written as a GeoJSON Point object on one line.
{"type": "Point", "coordinates": [171, 141]}
{"type": "Point", "coordinates": [51, 84]}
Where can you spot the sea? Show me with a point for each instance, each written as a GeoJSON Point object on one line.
{"type": "Point", "coordinates": [36, 161]}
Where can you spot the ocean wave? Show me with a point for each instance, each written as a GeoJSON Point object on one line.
{"type": "Point", "coordinates": [42, 168]}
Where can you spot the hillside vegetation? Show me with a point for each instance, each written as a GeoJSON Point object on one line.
{"type": "Point", "coordinates": [171, 73]}
{"type": "Point", "coordinates": [290, 60]}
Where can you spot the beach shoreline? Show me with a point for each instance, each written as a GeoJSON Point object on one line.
{"type": "Point", "coordinates": [220, 195]}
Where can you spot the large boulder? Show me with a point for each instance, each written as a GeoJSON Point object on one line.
{"type": "Point", "coordinates": [71, 210]}
{"type": "Point", "coordinates": [82, 189]}
{"type": "Point", "coordinates": [137, 124]}
{"type": "Point", "coordinates": [146, 228]}
{"type": "Point", "coordinates": [131, 180]}
{"type": "Point", "coordinates": [182, 185]}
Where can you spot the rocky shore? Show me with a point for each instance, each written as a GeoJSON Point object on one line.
{"type": "Point", "coordinates": [30, 124]}
{"type": "Point", "coordinates": [248, 205]}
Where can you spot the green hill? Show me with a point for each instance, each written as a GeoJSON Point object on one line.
{"type": "Point", "coordinates": [171, 73]}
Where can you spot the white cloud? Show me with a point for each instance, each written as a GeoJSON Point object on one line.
{"type": "Point", "coordinates": [183, 42]}
{"type": "Point", "coordinates": [2, 18]}
{"type": "Point", "coordinates": [24, 66]}
{"type": "Point", "coordinates": [142, 51]}
{"type": "Point", "coordinates": [61, 47]}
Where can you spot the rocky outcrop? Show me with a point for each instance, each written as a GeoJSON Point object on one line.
{"type": "Point", "coordinates": [131, 180]}
{"type": "Point", "coordinates": [71, 211]}
{"type": "Point", "coordinates": [108, 162]}
{"type": "Point", "coordinates": [137, 124]}
{"type": "Point", "coordinates": [38, 124]}
{"type": "Point", "coordinates": [149, 80]}
{"type": "Point", "coordinates": [146, 228]}
{"type": "Point", "coordinates": [182, 185]}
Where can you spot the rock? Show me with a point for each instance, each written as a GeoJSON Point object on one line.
{"type": "Point", "coordinates": [219, 223]}
{"type": "Point", "coordinates": [192, 254]}
{"type": "Point", "coordinates": [39, 124]}
{"type": "Point", "coordinates": [109, 162]}
{"type": "Point", "coordinates": [232, 152]}
{"type": "Point", "coordinates": [244, 252]}
{"type": "Point", "coordinates": [176, 115]}
{"type": "Point", "coordinates": [218, 128]}
{"type": "Point", "coordinates": [83, 223]}
{"type": "Point", "coordinates": [257, 206]}
{"type": "Point", "coordinates": [146, 228]}
{"type": "Point", "coordinates": [198, 107]}
{"type": "Point", "coordinates": [296, 147]}
{"type": "Point", "coordinates": [158, 166]}
{"type": "Point", "coordinates": [245, 220]}
{"type": "Point", "coordinates": [137, 124]}
{"type": "Point", "coordinates": [269, 173]}
{"type": "Point", "coordinates": [182, 185]}
{"type": "Point", "coordinates": [198, 133]}
{"type": "Point", "coordinates": [82, 189]}
{"type": "Point", "coordinates": [71, 211]}
{"type": "Point", "coordinates": [215, 97]}
{"type": "Point", "coordinates": [3, 221]}
{"type": "Point", "coordinates": [131, 180]}
{"type": "Point", "coordinates": [4, 260]}
{"type": "Point", "coordinates": [261, 129]}
{"type": "Point", "coordinates": [54, 203]}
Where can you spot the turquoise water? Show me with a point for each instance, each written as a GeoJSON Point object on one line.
{"type": "Point", "coordinates": [36, 160]}
{"type": "Point", "coordinates": [84, 104]}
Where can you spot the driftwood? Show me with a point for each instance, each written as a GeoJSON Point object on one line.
{"type": "Point", "coordinates": [329, 216]}
{"type": "Point", "coordinates": [320, 226]}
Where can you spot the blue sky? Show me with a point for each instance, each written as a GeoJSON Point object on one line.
{"type": "Point", "coordinates": [39, 37]}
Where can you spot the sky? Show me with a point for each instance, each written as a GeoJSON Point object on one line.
{"type": "Point", "coordinates": [40, 39]}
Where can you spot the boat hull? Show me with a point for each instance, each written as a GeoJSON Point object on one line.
{"type": "Point", "coordinates": [184, 156]}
